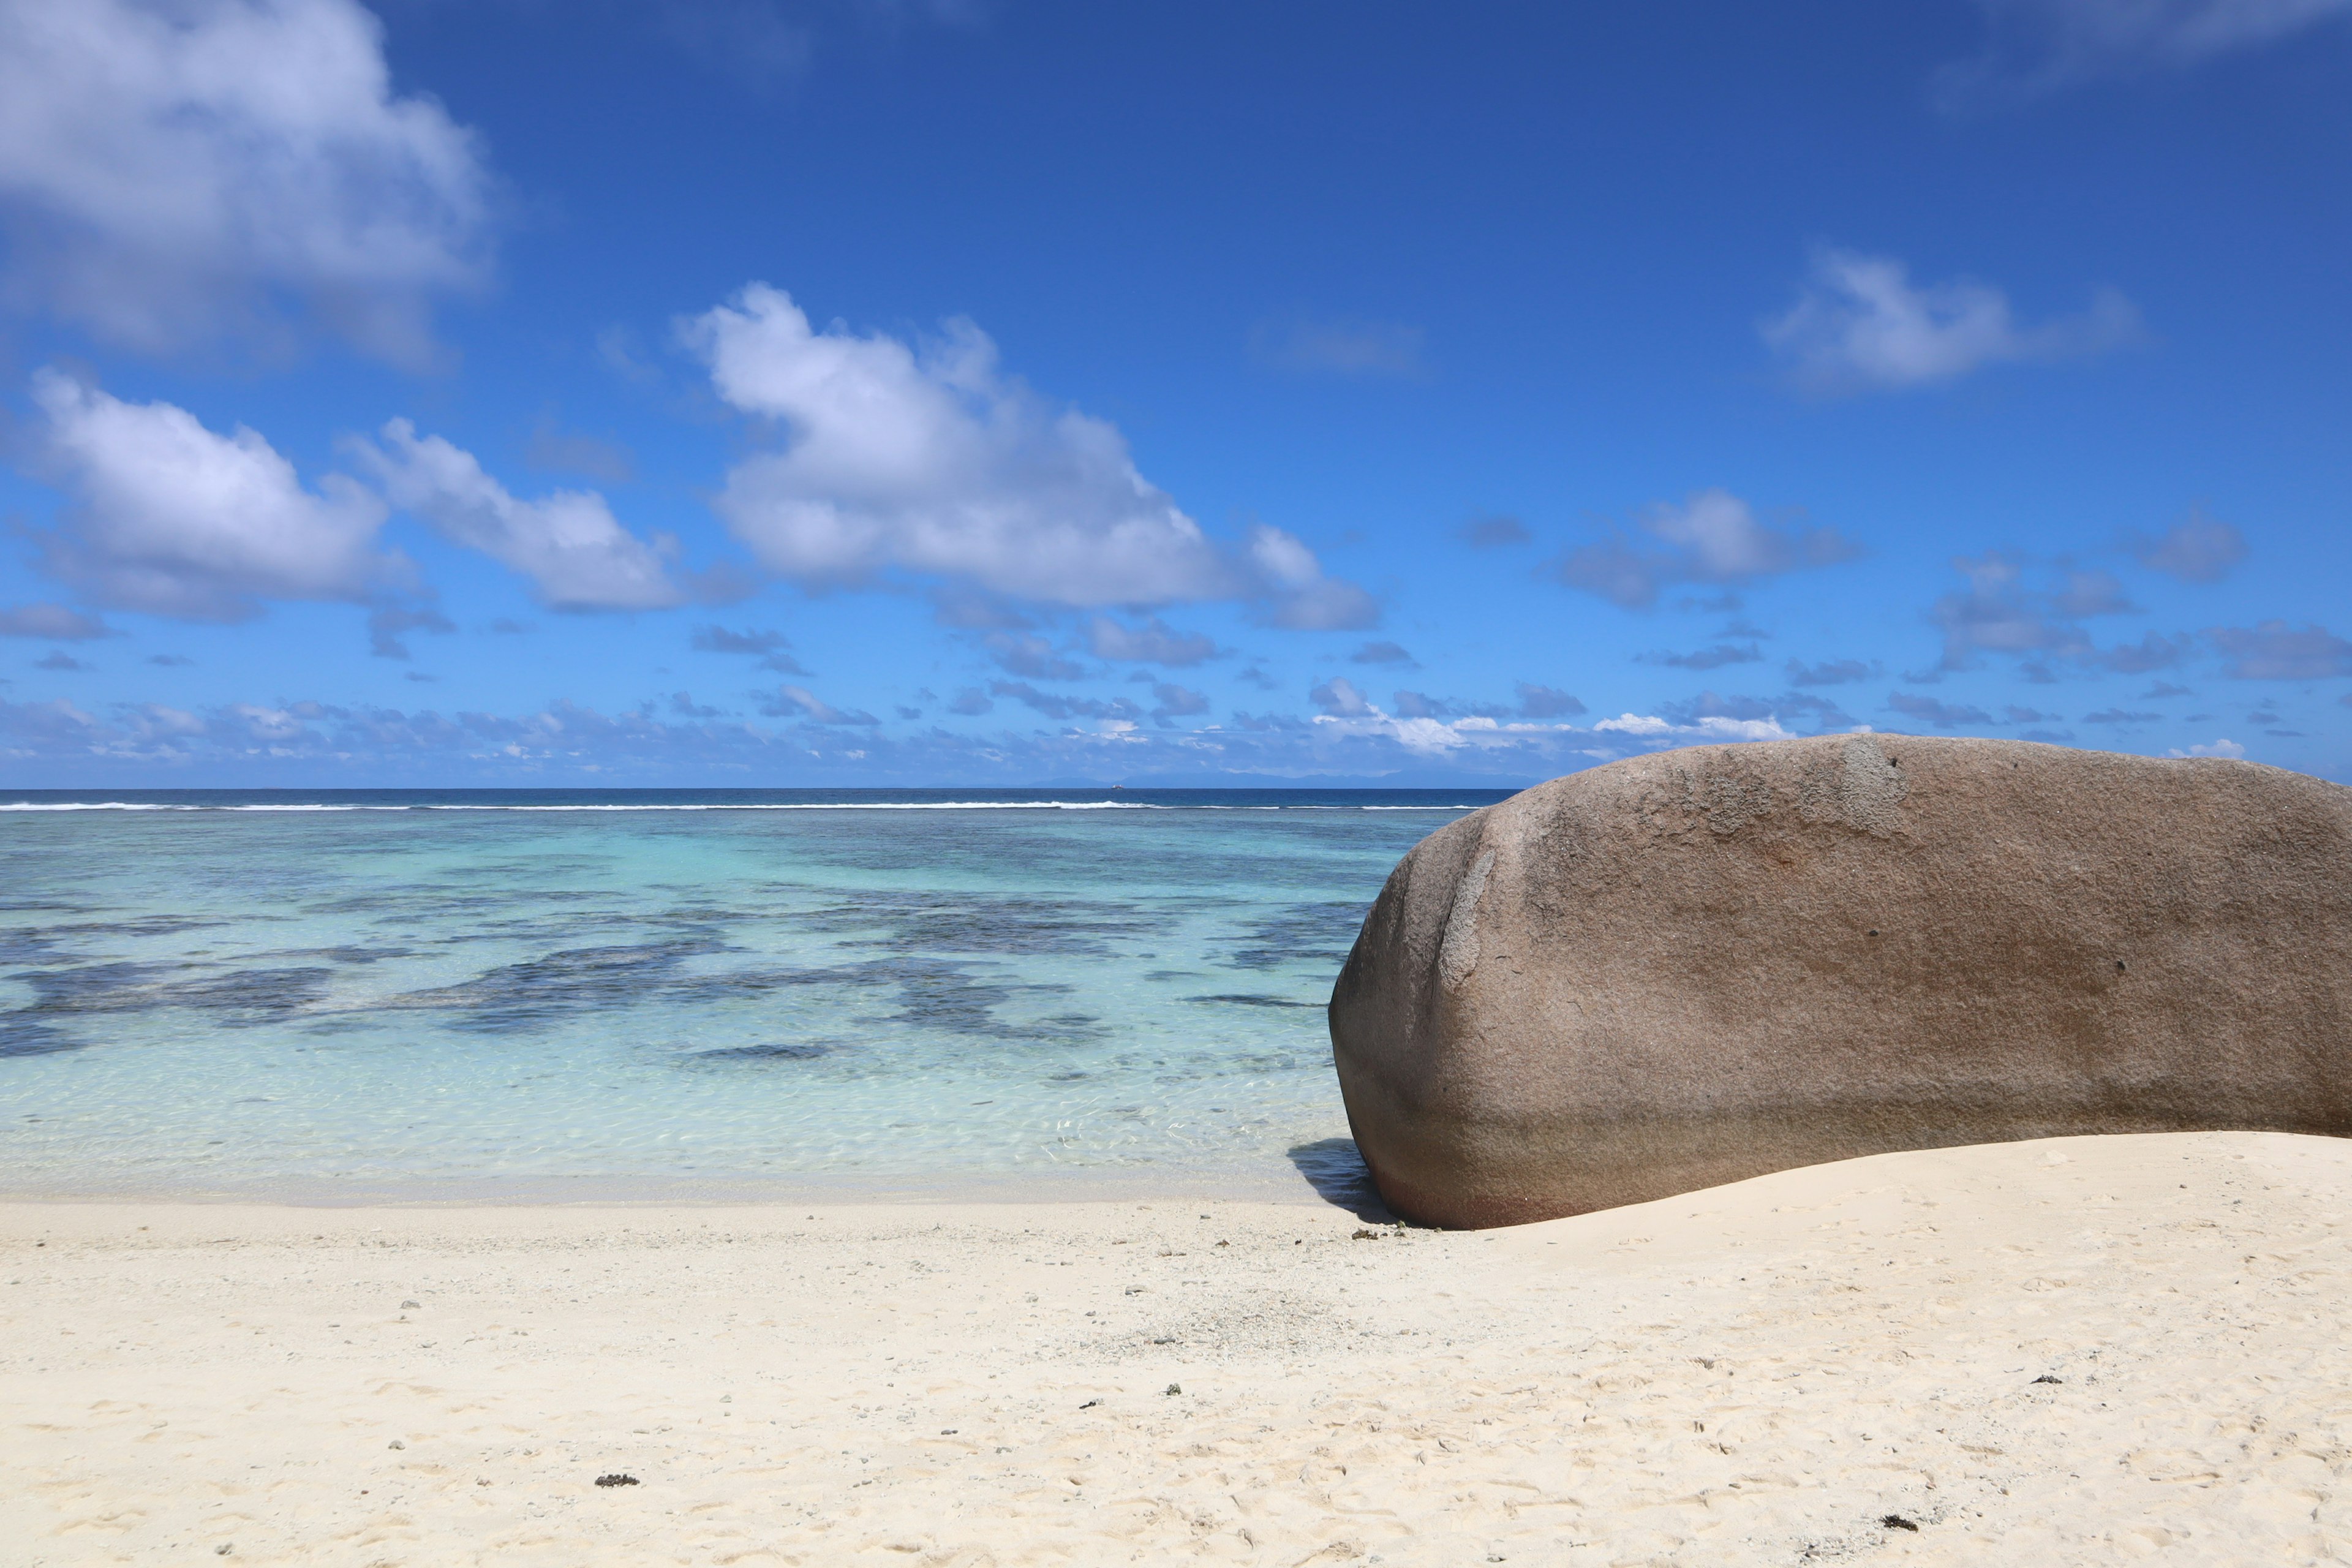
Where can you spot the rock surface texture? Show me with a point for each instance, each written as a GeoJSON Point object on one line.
{"type": "Point", "coordinates": [1699, 966]}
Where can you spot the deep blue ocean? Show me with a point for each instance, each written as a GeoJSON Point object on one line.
{"type": "Point", "coordinates": [353, 996]}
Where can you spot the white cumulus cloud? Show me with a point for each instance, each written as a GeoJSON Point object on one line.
{"type": "Point", "coordinates": [1862, 325]}
{"type": "Point", "coordinates": [170, 518]}
{"type": "Point", "coordinates": [174, 171]}
{"type": "Point", "coordinates": [927, 460]}
{"type": "Point", "coordinates": [576, 554]}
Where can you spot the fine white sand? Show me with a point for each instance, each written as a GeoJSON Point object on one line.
{"type": "Point", "coordinates": [2071, 1352]}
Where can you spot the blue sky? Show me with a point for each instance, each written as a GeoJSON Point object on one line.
{"type": "Point", "coordinates": [809, 392]}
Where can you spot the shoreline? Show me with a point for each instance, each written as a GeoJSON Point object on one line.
{"type": "Point", "coordinates": [2068, 1349]}
{"type": "Point", "coordinates": [1285, 1187]}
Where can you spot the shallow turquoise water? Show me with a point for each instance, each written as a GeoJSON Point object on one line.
{"type": "Point", "coordinates": [643, 995]}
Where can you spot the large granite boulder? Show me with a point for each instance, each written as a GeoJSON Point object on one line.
{"type": "Point", "coordinates": [1701, 965]}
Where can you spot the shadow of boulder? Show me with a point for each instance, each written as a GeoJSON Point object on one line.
{"type": "Point", "coordinates": [1333, 1168]}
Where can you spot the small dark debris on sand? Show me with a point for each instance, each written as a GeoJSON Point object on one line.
{"type": "Point", "coordinates": [617, 1479]}
{"type": "Point", "coordinates": [1896, 1521]}
{"type": "Point", "coordinates": [2045, 1377]}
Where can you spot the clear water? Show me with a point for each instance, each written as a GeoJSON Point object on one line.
{"type": "Point", "coordinates": [371, 995]}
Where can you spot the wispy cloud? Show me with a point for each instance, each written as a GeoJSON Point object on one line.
{"type": "Point", "coordinates": [388, 629]}
{"type": "Point", "coordinates": [1832, 672]}
{"type": "Point", "coordinates": [1340, 348]}
{"type": "Point", "coordinates": [1943, 715]}
{"type": "Point", "coordinates": [766, 645]}
{"type": "Point", "coordinates": [2197, 549]}
{"type": "Point", "coordinates": [1861, 325]}
{"type": "Point", "coordinates": [54, 623]}
{"type": "Point", "coordinates": [555, 449]}
{"type": "Point", "coordinates": [1713, 657]}
{"type": "Point", "coordinates": [1713, 537]}
{"type": "Point", "coordinates": [1493, 532]}
{"type": "Point", "coordinates": [1547, 702]}
{"type": "Point", "coordinates": [2001, 612]}
{"type": "Point", "coordinates": [1153, 642]}
{"type": "Point", "coordinates": [2272, 651]}
{"type": "Point", "coordinates": [799, 701]}
{"type": "Point", "coordinates": [1383, 653]}
{"type": "Point", "coordinates": [2034, 46]}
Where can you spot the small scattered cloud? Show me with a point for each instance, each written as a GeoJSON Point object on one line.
{"type": "Point", "coordinates": [1383, 653]}
{"type": "Point", "coordinates": [2152, 652]}
{"type": "Point", "coordinates": [972, 701]}
{"type": "Point", "coordinates": [682, 705]}
{"type": "Point", "coordinates": [1494, 532]}
{"type": "Point", "coordinates": [2164, 688]}
{"type": "Point", "coordinates": [2001, 612]}
{"type": "Point", "coordinates": [1153, 642]}
{"type": "Point", "coordinates": [1712, 537]}
{"type": "Point", "coordinates": [1352, 348]}
{"type": "Point", "coordinates": [1547, 702]}
{"type": "Point", "coordinates": [751, 41]}
{"type": "Point", "coordinates": [967, 609]}
{"type": "Point", "coordinates": [717, 638]}
{"type": "Point", "coordinates": [2037, 47]}
{"type": "Point", "coordinates": [2121, 716]}
{"type": "Point", "coordinates": [799, 701]}
{"type": "Point", "coordinates": [554, 449]}
{"type": "Point", "coordinates": [1832, 672]}
{"type": "Point", "coordinates": [1055, 705]}
{"type": "Point", "coordinates": [1861, 325]}
{"type": "Point", "coordinates": [175, 177]}
{"type": "Point", "coordinates": [767, 646]}
{"type": "Point", "coordinates": [2224, 747]}
{"type": "Point", "coordinates": [2272, 651]}
{"type": "Point", "coordinates": [60, 661]}
{"type": "Point", "coordinates": [1032, 656]}
{"type": "Point", "coordinates": [1256, 675]}
{"type": "Point", "coordinates": [1943, 715]}
{"type": "Point", "coordinates": [1713, 657]}
{"type": "Point", "coordinates": [421, 677]}
{"type": "Point", "coordinates": [170, 660]}
{"type": "Point", "coordinates": [2015, 715]}
{"type": "Point", "coordinates": [1176, 703]}
{"type": "Point", "coordinates": [52, 623]}
{"type": "Point", "coordinates": [1339, 698]}
{"type": "Point", "coordinates": [388, 629]}
{"type": "Point", "coordinates": [2092, 594]}
{"type": "Point", "coordinates": [2197, 549]}
{"type": "Point", "coordinates": [505, 628]}
{"type": "Point", "coordinates": [576, 555]}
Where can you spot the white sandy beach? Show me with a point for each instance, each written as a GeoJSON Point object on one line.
{"type": "Point", "coordinates": [2074, 1351]}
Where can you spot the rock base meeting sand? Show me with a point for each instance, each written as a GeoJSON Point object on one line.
{"type": "Point", "coordinates": [2080, 1349]}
